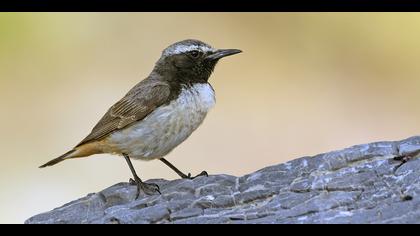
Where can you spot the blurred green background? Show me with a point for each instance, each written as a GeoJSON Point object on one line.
{"type": "Point", "coordinates": [306, 83]}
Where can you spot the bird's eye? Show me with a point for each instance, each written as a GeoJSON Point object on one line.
{"type": "Point", "coordinates": [194, 53]}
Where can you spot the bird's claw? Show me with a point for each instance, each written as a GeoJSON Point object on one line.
{"type": "Point", "coordinates": [403, 159]}
{"type": "Point", "coordinates": [203, 173]}
{"type": "Point", "coordinates": [148, 189]}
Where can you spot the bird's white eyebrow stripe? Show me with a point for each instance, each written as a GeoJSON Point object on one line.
{"type": "Point", "coordinates": [183, 48]}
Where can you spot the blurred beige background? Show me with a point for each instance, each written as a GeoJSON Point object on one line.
{"type": "Point", "coordinates": [306, 83]}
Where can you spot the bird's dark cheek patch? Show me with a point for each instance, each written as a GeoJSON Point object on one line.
{"type": "Point", "coordinates": [184, 64]}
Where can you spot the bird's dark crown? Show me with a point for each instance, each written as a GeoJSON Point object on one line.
{"type": "Point", "coordinates": [186, 46]}
{"type": "Point", "coordinates": [189, 61]}
{"type": "Point", "coordinates": [186, 62]}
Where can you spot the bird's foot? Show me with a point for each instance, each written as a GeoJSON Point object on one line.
{"type": "Point", "coordinates": [148, 189]}
{"type": "Point", "coordinates": [403, 159]}
{"type": "Point", "coordinates": [203, 173]}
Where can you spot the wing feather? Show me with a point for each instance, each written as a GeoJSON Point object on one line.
{"type": "Point", "coordinates": [134, 106]}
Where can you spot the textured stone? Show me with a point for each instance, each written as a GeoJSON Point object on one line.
{"type": "Point", "coordinates": [359, 184]}
{"type": "Point", "coordinates": [186, 213]}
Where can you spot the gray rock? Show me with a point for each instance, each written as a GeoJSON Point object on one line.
{"type": "Point", "coordinates": [186, 213]}
{"type": "Point", "coordinates": [356, 185]}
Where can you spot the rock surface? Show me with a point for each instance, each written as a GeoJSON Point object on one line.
{"type": "Point", "coordinates": [359, 184]}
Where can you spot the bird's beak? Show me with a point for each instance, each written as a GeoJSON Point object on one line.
{"type": "Point", "coordinates": [223, 53]}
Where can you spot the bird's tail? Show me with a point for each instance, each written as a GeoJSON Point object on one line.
{"type": "Point", "coordinates": [67, 155]}
{"type": "Point", "coordinates": [79, 151]}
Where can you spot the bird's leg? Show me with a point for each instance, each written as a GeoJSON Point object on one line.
{"type": "Point", "coordinates": [147, 188]}
{"type": "Point", "coordinates": [182, 175]}
{"type": "Point", "coordinates": [406, 157]}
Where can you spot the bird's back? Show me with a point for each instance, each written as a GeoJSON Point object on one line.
{"type": "Point", "coordinates": [166, 127]}
{"type": "Point", "coordinates": [140, 101]}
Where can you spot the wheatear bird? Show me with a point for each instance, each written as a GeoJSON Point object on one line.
{"type": "Point", "coordinates": [158, 113]}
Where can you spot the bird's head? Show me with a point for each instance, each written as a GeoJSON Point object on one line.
{"type": "Point", "coordinates": [190, 61]}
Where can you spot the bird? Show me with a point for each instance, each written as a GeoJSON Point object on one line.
{"type": "Point", "coordinates": [158, 113]}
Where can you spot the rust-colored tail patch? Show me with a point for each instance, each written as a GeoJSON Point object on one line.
{"type": "Point", "coordinates": [58, 159]}
{"type": "Point", "coordinates": [82, 151]}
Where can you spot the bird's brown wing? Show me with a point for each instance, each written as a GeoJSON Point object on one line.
{"type": "Point", "coordinates": [137, 104]}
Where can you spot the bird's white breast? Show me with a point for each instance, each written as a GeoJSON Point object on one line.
{"type": "Point", "coordinates": [167, 126]}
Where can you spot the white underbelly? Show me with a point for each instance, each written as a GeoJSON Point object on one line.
{"type": "Point", "coordinates": [166, 127]}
